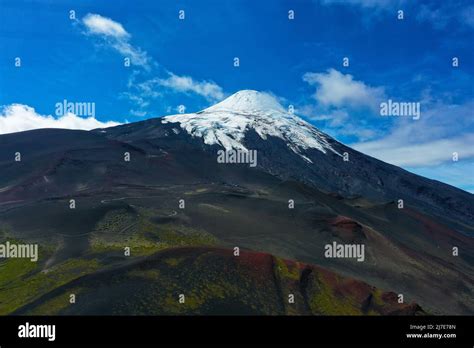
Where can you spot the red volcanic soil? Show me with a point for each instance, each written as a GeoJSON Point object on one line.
{"type": "Point", "coordinates": [255, 260]}
{"type": "Point", "coordinates": [347, 229]}
{"type": "Point", "coordinates": [218, 283]}
{"type": "Point", "coordinates": [436, 231]}
{"type": "Point", "coordinates": [344, 222]}
{"type": "Point", "coordinates": [262, 269]}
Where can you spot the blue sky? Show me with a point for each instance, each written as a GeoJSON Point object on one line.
{"type": "Point", "coordinates": [190, 62]}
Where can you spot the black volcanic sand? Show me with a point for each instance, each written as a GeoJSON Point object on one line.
{"type": "Point", "coordinates": [258, 218]}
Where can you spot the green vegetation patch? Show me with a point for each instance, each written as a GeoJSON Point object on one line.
{"type": "Point", "coordinates": [323, 300]}
{"type": "Point", "coordinates": [23, 281]}
{"type": "Point", "coordinates": [120, 229]}
{"type": "Point", "coordinates": [55, 305]}
{"type": "Point", "coordinates": [286, 270]}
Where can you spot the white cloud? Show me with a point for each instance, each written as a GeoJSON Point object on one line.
{"type": "Point", "coordinates": [114, 35]}
{"type": "Point", "coordinates": [340, 90]}
{"type": "Point", "coordinates": [136, 55]}
{"type": "Point", "coordinates": [19, 117]}
{"type": "Point", "coordinates": [337, 122]}
{"type": "Point", "coordinates": [441, 130]}
{"type": "Point", "coordinates": [141, 93]}
{"type": "Point", "coordinates": [206, 89]}
{"type": "Point", "coordinates": [341, 103]}
{"type": "Point", "coordinates": [334, 118]}
{"type": "Point", "coordinates": [453, 173]}
{"type": "Point", "coordinates": [117, 37]}
{"type": "Point", "coordinates": [96, 24]}
{"type": "Point", "coordinates": [138, 113]}
{"type": "Point", "coordinates": [429, 153]}
{"type": "Point", "coordinates": [138, 100]}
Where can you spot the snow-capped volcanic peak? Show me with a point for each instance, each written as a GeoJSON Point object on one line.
{"type": "Point", "coordinates": [226, 123]}
{"type": "Point", "coordinates": [248, 101]}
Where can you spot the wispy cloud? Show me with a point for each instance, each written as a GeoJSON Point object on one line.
{"type": "Point", "coordinates": [19, 117]}
{"type": "Point", "coordinates": [438, 14]}
{"type": "Point", "coordinates": [207, 89]}
{"type": "Point", "coordinates": [454, 173]}
{"type": "Point", "coordinates": [99, 25]}
{"type": "Point", "coordinates": [424, 146]}
{"type": "Point", "coordinates": [338, 101]}
{"type": "Point", "coordinates": [337, 122]}
{"type": "Point", "coordinates": [114, 34]}
{"type": "Point", "coordinates": [441, 14]}
{"type": "Point", "coordinates": [142, 93]}
{"type": "Point", "coordinates": [397, 152]}
{"type": "Point", "coordinates": [441, 130]}
{"type": "Point", "coordinates": [337, 89]}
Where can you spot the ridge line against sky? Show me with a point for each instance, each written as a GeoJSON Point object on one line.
{"type": "Point", "coordinates": [336, 99]}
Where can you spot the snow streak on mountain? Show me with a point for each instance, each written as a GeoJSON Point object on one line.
{"type": "Point", "coordinates": [227, 122]}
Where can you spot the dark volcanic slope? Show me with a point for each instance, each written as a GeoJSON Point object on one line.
{"type": "Point", "coordinates": [215, 282]}
{"type": "Point", "coordinates": [361, 176]}
{"type": "Point", "coordinates": [119, 203]}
